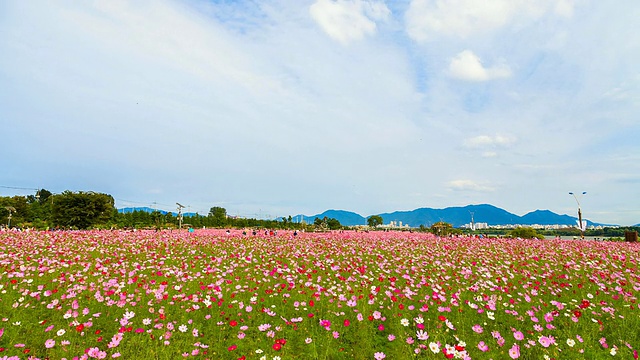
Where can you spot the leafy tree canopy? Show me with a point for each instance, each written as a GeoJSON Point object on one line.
{"type": "Point", "coordinates": [81, 210]}
{"type": "Point", "coordinates": [525, 233]}
{"type": "Point", "coordinates": [374, 220]}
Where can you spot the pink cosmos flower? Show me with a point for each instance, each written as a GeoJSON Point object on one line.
{"type": "Point", "coordinates": [379, 356]}
{"type": "Point", "coordinates": [518, 335]}
{"type": "Point", "coordinates": [544, 341]}
{"type": "Point", "coordinates": [514, 352]}
{"type": "Point", "coordinates": [483, 347]}
{"type": "Point", "coordinates": [49, 343]}
{"type": "Point", "coordinates": [477, 328]}
{"type": "Point", "coordinates": [548, 317]}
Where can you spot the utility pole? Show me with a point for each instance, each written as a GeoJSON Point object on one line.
{"type": "Point", "coordinates": [180, 207]}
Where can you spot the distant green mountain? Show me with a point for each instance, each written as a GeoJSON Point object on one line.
{"type": "Point", "coordinates": [457, 216]}
{"type": "Point", "coordinates": [128, 210]}
{"type": "Point", "coordinates": [347, 218]}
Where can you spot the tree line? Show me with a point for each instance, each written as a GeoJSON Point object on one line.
{"type": "Point", "coordinates": [90, 210]}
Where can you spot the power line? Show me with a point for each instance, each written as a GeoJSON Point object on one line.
{"type": "Point", "coordinates": [17, 188]}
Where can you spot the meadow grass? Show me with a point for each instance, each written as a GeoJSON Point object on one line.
{"type": "Point", "coordinates": [342, 295]}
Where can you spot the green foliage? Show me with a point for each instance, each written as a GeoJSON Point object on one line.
{"type": "Point", "coordinates": [81, 210]}
{"type": "Point", "coordinates": [333, 224]}
{"type": "Point", "coordinates": [525, 233]}
{"type": "Point", "coordinates": [374, 221]}
{"type": "Point", "coordinates": [218, 216]}
{"type": "Point", "coordinates": [442, 228]}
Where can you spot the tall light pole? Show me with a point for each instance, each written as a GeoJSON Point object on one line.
{"type": "Point", "coordinates": [11, 209]}
{"type": "Point", "coordinates": [582, 228]}
{"type": "Point", "coordinates": [180, 207]}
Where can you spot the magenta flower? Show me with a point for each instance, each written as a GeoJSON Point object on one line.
{"type": "Point", "coordinates": [379, 356]}
{"type": "Point", "coordinates": [544, 341]}
{"type": "Point", "coordinates": [514, 352]}
{"type": "Point", "coordinates": [483, 347]}
{"type": "Point", "coordinates": [518, 335]}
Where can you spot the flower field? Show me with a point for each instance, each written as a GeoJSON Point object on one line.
{"type": "Point", "coordinates": [378, 295]}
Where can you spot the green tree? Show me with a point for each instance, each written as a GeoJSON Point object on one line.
{"type": "Point", "coordinates": [321, 224]}
{"type": "Point", "coordinates": [333, 224]}
{"type": "Point", "coordinates": [81, 210]}
{"type": "Point", "coordinates": [442, 228]}
{"type": "Point", "coordinates": [525, 233]}
{"type": "Point", "coordinates": [374, 221]}
{"type": "Point", "coordinates": [218, 216]}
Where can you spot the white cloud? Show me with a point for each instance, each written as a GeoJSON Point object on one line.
{"type": "Point", "coordinates": [168, 83]}
{"type": "Point", "coordinates": [487, 141]}
{"type": "Point", "coordinates": [467, 66]}
{"type": "Point", "coordinates": [348, 20]}
{"type": "Point", "coordinates": [468, 185]}
{"type": "Point", "coordinates": [428, 19]}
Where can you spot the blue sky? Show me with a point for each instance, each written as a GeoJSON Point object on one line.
{"type": "Point", "coordinates": [272, 108]}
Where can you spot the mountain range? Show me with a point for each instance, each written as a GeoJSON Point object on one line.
{"type": "Point", "coordinates": [128, 210]}
{"type": "Point", "coordinates": [457, 216]}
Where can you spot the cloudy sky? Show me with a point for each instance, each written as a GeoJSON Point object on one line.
{"type": "Point", "coordinates": [281, 107]}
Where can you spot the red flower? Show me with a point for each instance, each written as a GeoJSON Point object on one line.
{"type": "Point", "coordinates": [277, 347]}
{"type": "Point", "coordinates": [311, 303]}
{"type": "Point", "coordinates": [347, 322]}
{"type": "Point", "coordinates": [442, 318]}
{"type": "Point", "coordinates": [242, 357]}
{"type": "Point", "coordinates": [233, 323]}
{"type": "Point", "coordinates": [80, 327]}
{"type": "Point", "coordinates": [577, 313]}
{"type": "Point", "coordinates": [281, 341]}
{"type": "Point", "coordinates": [232, 347]}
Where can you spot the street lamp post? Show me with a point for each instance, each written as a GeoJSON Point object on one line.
{"type": "Point", "coordinates": [11, 209]}
{"type": "Point", "coordinates": [582, 228]}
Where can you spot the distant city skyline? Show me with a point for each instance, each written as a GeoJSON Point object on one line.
{"type": "Point", "coordinates": [276, 107]}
